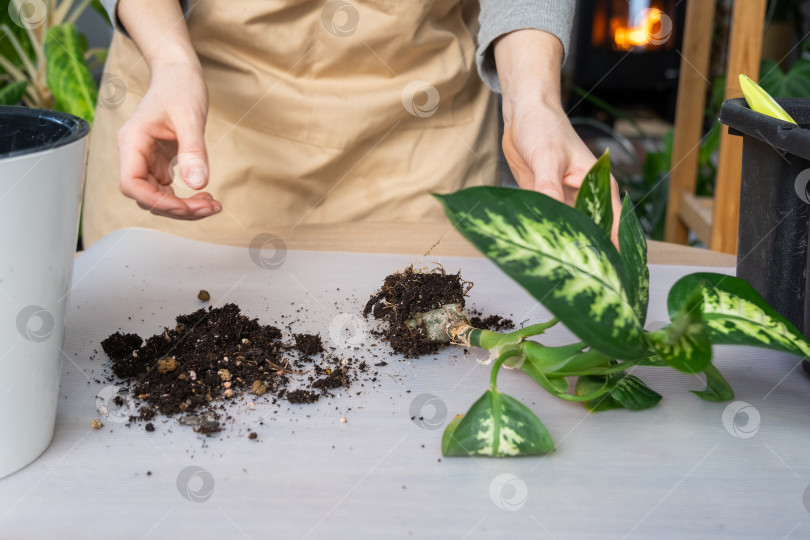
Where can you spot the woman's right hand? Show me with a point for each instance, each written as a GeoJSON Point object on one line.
{"type": "Point", "coordinates": [170, 121]}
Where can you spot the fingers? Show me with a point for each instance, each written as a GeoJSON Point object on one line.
{"type": "Point", "coordinates": [550, 186]}
{"type": "Point", "coordinates": [143, 179]}
{"type": "Point", "coordinates": [192, 157]}
{"type": "Point", "coordinates": [549, 172]}
{"type": "Point", "coordinates": [616, 202]}
{"type": "Point", "coordinates": [167, 204]}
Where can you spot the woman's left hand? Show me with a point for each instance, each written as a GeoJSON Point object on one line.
{"type": "Point", "coordinates": [544, 152]}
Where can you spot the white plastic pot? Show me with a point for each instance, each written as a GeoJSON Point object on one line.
{"type": "Point", "coordinates": [42, 159]}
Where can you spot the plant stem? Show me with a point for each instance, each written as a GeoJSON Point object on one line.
{"type": "Point", "coordinates": [505, 355]}
{"type": "Point", "coordinates": [487, 339]}
{"type": "Point", "coordinates": [594, 371]}
{"type": "Point", "coordinates": [77, 11]}
{"type": "Point", "coordinates": [534, 329]}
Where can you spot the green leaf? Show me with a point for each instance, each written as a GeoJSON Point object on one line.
{"type": "Point", "coordinates": [99, 7]}
{"type": "Point", "coordinates": [685, 344]}
{"type": "Point", "coordinates": [737, 315]}
{"type": "Point", "coordinates": [12, 93]}
{"type": "Point", "coordinates": [625, 392]}
{"type": "Point", "coordinates": [633, 248]}
{"type": "Point", "coordinates": [593, 198]}
{"type": "Point", "coordinates": [7, 49]}
{"type": "Point", "coordinates": [709, 145]}
{"type": "Point", "coordinates": [717, 388]}
{"type": "Point", "coordinates": [496, 425]}
{"type": "Point", "coordinates": [652, 359]}
{"type": "Point", "coordinates": [559, 256]}
{"type": "Point", "coordinates": [564, 358]}
{"type": "Point", "coordinates": [71, 83]}
{"type": "Point", "coordinates": [794, 83]}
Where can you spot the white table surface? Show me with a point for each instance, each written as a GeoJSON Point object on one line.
{"type": "Point", "coordinates": [674, 471]}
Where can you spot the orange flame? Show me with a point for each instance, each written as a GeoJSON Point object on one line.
{"type": "Point", "coordinates": [625, 38]}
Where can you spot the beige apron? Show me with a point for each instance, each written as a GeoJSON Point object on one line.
{"type": "Point", "coordinates": [319, 112]}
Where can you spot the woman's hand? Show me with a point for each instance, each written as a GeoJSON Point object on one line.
{"type": "Point", "coordinates": [170, 121]}
{"type": "Point", "coordinates": [544, 152]}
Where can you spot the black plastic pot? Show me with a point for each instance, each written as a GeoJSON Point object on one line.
{"type": "Point", "coordinates": [772, 252]}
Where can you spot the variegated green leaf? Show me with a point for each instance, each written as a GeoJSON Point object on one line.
{"type": "Point", "coordinates": [685, 344]}
{"type": "Point", "coordinates": [559, 256]}
{"type": "Point", "coordinates": [12, 93]}
{"type": "Point", "coordinates": [717, 388]}
{"type": "Point", "coordinates": [496, 425]}
{"type": "Point", "coordinates": [737, 315]}
{"type": "Point", "coordinates": [71, 83]}
{"type": "Point", "coordinates": [633, 250]}
{"type": "Point", "coordinates": [593, 198]}
{"type": "Point", "coordinates": [624, 392]}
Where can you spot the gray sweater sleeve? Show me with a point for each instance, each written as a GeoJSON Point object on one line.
{"type": "Point", "coordinates": [111, 7]}
{"type": "Point", "coordinates": [499, 17]}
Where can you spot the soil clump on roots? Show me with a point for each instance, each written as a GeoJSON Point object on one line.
{"type": "Point", "coordinates": [409, 293]}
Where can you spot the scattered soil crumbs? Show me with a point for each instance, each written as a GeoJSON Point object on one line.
{"type": "Point", "coordinates": [308, 344]}
{"type": "Point", "coordinates": [493, 322]}
{"type": "Point", "coordinates": [215, 356]}
{"type": "Point", "coordinates": [303, 396]}
{"type": "Point", "coordinates": [408, 293]}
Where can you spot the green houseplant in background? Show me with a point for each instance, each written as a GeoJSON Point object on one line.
{"type": "Point", "coordinates": [44, 59]}
{"type": "Point", "coordinates": [647, 186]}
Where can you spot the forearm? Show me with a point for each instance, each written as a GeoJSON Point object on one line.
{"type": "Point", "coordinates": [159, 30]}
{"type": "Point", "coordinates": [529, 63]}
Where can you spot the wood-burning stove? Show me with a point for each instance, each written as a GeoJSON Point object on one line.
{"type": "Point", "coordinates": [628, 50]}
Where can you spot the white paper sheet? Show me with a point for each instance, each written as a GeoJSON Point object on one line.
{"type": "Point", "coordinates": [674, 471]}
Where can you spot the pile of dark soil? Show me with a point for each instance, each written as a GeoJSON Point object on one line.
{"type": "Point", "coordinates": [217, 355]}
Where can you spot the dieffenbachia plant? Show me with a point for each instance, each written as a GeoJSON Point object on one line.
{"type": "Point", "coordinates": [563, 257]}
{"type": "Point", "coordinates": [44, 59]}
